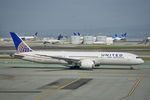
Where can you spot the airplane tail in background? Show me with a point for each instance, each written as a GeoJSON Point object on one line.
{"type": "Point", "coordinates": [123, 35]}
{"type": "Point", "coordinates": [20, 45]}
{"type": "Point", "coordinates": [76, 34]}
{"type": "Point", "coordinates": [59, 37]}
{"type": "Point", "coordinates": [115, 36]}
{"type": "Point", "coordinates": [36, 34]}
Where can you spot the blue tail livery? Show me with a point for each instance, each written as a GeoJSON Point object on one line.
{"type": "Point", "coordinates": [20, 45]}
{"type": "Point", "coordinates": [59, 37]}
{"type": "Point", "coordinates": [115, 36]}
{"type": "Point", "coordinates": [76, 34]}
{"type": "Point", "coordinates": [123, 35]}
{"type": "Point", "coordinates": [36, 34]}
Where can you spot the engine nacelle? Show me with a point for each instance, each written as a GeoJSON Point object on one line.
{"type": "Point", "coordinates": [87, 64]}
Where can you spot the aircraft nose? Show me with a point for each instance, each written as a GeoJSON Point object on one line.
{"type": "Point", "coordinates": [141, 61]}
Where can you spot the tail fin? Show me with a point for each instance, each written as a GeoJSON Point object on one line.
{"type": "Point", "coordinates": [59, 37]}
{"type": "Point", "coordinates": [78, 34]}
{"type": "Point", "coordinates": [20, 45]}
{"type": "Point", "coordinates": [36, 34]}
{"type": "Point", "coordinates": [123, 35]}
{"type": "Point", "coordinates": [74, 34]}
{"type": "Point", "coordinates": [115, 36]}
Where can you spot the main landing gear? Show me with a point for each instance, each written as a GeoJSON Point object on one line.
{"type": "Point", "coordinates": [75, 67]}
{"type": "Point", "coordinates": [131, 68]}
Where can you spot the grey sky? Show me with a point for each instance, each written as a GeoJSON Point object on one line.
{"type": "Point", "coordinates": [75, 15]}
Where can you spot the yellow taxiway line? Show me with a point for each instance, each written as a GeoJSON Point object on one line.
{"type": "Point", "coordinates": [131, 79]}
{"type": "Point", "coordinates": [134, 87]}
{"type": "Point", "coordinates": [84, 75]}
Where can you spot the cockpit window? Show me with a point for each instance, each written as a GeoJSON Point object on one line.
{"type": "Point", "coordinates": [138, 57]}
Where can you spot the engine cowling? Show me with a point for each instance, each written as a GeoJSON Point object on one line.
{"type": "Point", "coordinates": [87, 64]}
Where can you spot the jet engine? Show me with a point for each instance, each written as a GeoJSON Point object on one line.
{"type": "Point", "coordinates": [87, 64]}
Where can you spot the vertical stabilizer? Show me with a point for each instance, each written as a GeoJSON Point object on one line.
{"type": "Point", "coordinates": [36, 34]}
{"type": "Point", "coordinates": [20, 45]}
{"type": "Point", "coordinates": [114, 37]}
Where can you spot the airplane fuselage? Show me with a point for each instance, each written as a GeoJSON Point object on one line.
{"type": "Point", "coordinates": [99, 58]}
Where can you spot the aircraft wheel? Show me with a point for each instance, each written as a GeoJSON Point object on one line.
{"type": "Point", "coordinates": [131, 68]}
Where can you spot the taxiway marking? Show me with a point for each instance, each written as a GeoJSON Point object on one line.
{"type": "Point", "coordinates": [134, 87]}
{"type": "Point", "coordinates": [131, 79]}
{"type": "Point", "coordinates": [84, 75]}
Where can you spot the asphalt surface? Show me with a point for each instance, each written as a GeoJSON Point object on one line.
{"type": "Point", "coordinates": [22, 80]}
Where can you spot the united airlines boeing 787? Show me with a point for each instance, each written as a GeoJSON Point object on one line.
{"type": "Point", "coordinates": [84, 60]}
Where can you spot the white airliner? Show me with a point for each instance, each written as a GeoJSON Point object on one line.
{"type": "Point", "coordinates": [53, 41]}
{"type": "Point", "coordinates": [84, 60]}
{"type": "Point", "coordinates": [29, 37]}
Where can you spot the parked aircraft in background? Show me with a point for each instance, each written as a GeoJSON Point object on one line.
{"type": "Point", "coordinates": [53, 41]}
{"type": "Point", "coordinates": [76, 34]}
{"type": "Point", "coordinates": [84, 60]}
{"type": "Point", "coordinates": [122, 36]}
{"type": "Point", "coordinates": [29, 37]}
{"type": "Point", "coordinates": [6, 39]}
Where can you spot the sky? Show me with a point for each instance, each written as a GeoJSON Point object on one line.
{"type": "Point", "coordinates": [84, 16]}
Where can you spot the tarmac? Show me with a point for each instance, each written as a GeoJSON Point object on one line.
{"type": "Point", "coordinates": [23, 80]}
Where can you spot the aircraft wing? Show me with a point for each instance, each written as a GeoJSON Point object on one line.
{"type": "Point", "coordinates": [61, 58]}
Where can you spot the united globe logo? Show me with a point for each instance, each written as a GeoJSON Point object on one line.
{"type": "Point", "coordinates": [23, 48]}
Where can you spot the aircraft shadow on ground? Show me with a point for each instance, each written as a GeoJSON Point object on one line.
{"type": "Point", "coordinates": [117, 68]}
{"type": "Point", "coordinates": [42, 68]}
{"type": "Point", "coordinates": [47, 69]}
